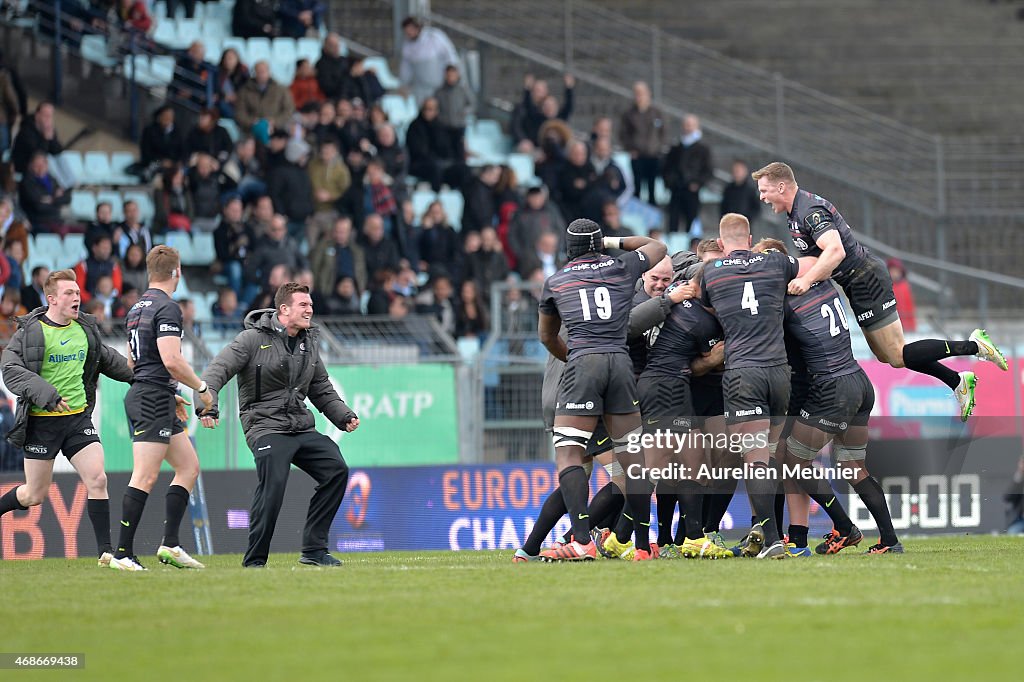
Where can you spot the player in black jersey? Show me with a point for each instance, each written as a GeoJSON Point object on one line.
{"type": "Point", "coordinates": [158, 433]}
{"type": "Point", "coordinates": [820, 232]}
{"type": "Point", "coordinates": [747, 291]}
{"type": "Point", "coordinates": [831, 402]}
{"type": "Point", "coordinates": [592, 295]}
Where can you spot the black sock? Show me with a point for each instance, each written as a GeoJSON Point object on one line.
{"type": "Point", "coordinates": [780, 509]}
{"type": "Point", "coordinates": [606, 503]}
{"type": "Point", "coordinates": [575, 489]}
{"type": "Point", "coordinates": [9, 502]}
{"type": "Point", "coordinates": [821, 492]}
{"type": "Point", "coordinates": [666, 498]}
{"type": "Point", "coordinates": [871, 494]}
{"type": "Point", "coordinates": [552, 510]}
{"type": "Point", "coordinates": [177, 503]}
{"type": "Point", "coordinates": [761, 491]}
{"type": "Point", "coordinates": [99, 517]}
{"type": "Point", "coordinates": [923, 356]}
{"type": "Point", "coordinates": [718, 503]}
{"type": "Point", "coordinates": [134, 503]}
{"type": "Point", "coordinates": [624, 526]}
{"type": "Point", "coordinates": [691, 496]}
{"type": "Point", "coordinates": [639, 496]}
{"type": "Point", "coordinates": [798, 535]}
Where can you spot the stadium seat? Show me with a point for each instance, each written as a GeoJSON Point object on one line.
{"type": "Point", "coordinates": [203, 250]}
{"type": "Point", "coordinates": [283, 50]}
{"type": "Point", "coordinates": [73, 162]}
{"type": "Point", "coordinates": [453, 202]}
{"type": "Point", "coordinates": [94, 49]}
{"type": "Point", "coordinates": [522, 165]}
{"type": "Point", "coordinates": [400, 110]}
{"type": "Point", "coordinates": [162, 70]}
{"type": "Point", "coordinates": [166, 32]}
{"type": "Point", "coordinates": [239, 46]}
{"type": "Point", "coordinates": [214, 47]}
{"type": "Point", "coordinates": [83, 205]}
{"type": "Point", "coordinates": [661, 193]}
{"type": "Point", "coordinates": [624, 162]}
{"type": "Point", "coordinates": [310, 49]}
{"type": "Point", "coordinates": [258, 50]}
{"type": "Point", "coordinates": [159, 9]}
{"type": "Point", "coordinates": [49, 244]}
{"type": "Point", "coordinates": [119, 161]}
{"type": "Point", "coordinates": [97, 168]}
{"type": "Point", "coordinates": [73, 247]}
{"type": "Point", "coordinates": [677, 241]}
{"type": "Point", "coordinates": [145, 202]}
{"type": "Point", "coordinates": [487, 142]}
{"type": "Point", "coordinates": [183, 243]}
{"type": "Point", "coordinates": [116, 203]}
{"type": "Point", "coordinates": [38, 257]}
{"type": "Point", "coordinates": [282, 72]}
{"type": "Point", "coordinates": [203, 303]}
{"type": "Point", "coordinates": [383, 71]}
{"type": "Point", "coordinates": [232, 128]}
{"type": "Point", "coordinates": [420, 201]}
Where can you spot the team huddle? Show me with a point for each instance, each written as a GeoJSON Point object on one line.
{"type": "Point", "coordinates": [738, 339]}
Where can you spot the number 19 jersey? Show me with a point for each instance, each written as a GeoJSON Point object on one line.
{"type": "Point", "coordinates": [593, 295]}
{"type": "Point", "coordinates": [747, 291]}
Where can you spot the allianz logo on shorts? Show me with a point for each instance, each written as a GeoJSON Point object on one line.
{"type": "Point", "coordinates": [36, 449]}
{"type": "Point", "coordinates": [72, 357]}
{"type": "Point", "coordinates": [589, 405]}
{"type": "Point", "coordinates": [747, 413]}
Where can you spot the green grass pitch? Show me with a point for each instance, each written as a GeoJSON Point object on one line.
{"type": "Point", "coordinates": [951, 608]}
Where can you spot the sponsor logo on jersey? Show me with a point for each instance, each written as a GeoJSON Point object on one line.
{"type": "Point", "coordinates": [170, 328]}
{"type": "Point", "coordinates": [142, 304]}
{"type": "Point", "coordinates": [888, 304]}
{"type": "Point", "coordinates": [36, 449]}
{"type": "Point", "coordinates": [738, 261]}
{"type": "Point", "coordinates": [866, 316]}
{"type": "Point", "coordinates": [800, 243]}
{"type": "Point", "coordinates": [71, 357]}
{"type": "Point", "coordinates": [589, 266]}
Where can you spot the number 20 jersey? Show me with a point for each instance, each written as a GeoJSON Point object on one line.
{"type": "Point", "coordinates": [747, 291]}
{"type": "Point", "coordinates": [593, 295]}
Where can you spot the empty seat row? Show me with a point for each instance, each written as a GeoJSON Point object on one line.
{"type": "Point", "coordinates": [99, 168]}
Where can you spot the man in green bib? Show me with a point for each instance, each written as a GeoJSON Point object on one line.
{"type": "Point", "coordinates": [52, 364]}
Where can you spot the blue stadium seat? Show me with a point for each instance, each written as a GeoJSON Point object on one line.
{"type": "Point", "coordinates": [204, 301]}
{"type": "Point", "coordinates": [159, 9]}
{"type": "Point", "coordinates": [661, 193]}
{"type": "Point", "coordinates": [453, 202]}
{"type": "Point", "coordinates": [232, 128]}
{"type": "Point", "coordinates": [384, 75]}
{"type": "Point", "coordinates": [162, 69]}
{"type": "Point", "coordinates": [400, 110]}
{"type": "Point", "coordinates": [119, 161]}
{"type": "Point", "coordinates": [677, 241]}
{"type": "Point", "coordinates": [73, 247]}
{"type": "Point", "coordinates": [309, 48]}
{"type": "Point", "coordinates": [183, 243]}
{"type": "Point", "coordinates": [49, 244]}
{"type": "Point", "coordinates": [214, 47]}
{"type": "Point", "coordinates": [97, 168]}
{"type": "Point", "coordinates": [188, 31]}
{"type": "Point", "coordinates": [487, 142]}
{"type": "Point", "coordinates": [115, 200]}
{"type": "Point", "coordinates": [203, 250]}
{"type": "Point", "coordinates": [239, 46]}
{"type": "Point", "coordinates": [258, 50]}
{"type": "Point", "coordinates": [83, 205]}
{"type": "Point", "coordinates": [73, 162]}
{"type": "Point", "coordinates": [522, 165]}
{"type": "Point", "coordinates": [420, 201]}
{"type": "Point", "coordinates": [282, 72]}
{"type": "Point", "coordinates": [624, 162]}
{"type": "Point", "coordinates": [166, 32]}
{"type": "Point", "coordinates": [94, 49]}
{"type": "Point", "coordinates": [283, 50]}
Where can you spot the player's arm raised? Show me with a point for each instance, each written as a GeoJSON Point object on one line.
{"type": "Point", "coordinates": [547, 329]}
{"type": "Point", "coordinates": [653, 250]}
{"type": "Point", "coordinates": [832, 254]}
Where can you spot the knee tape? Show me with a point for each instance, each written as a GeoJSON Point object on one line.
{"type": "Point", "coordinates": [772, 447]}
{"type": "Point", "coordinates": [614, 469]}
{"type": "Point", "coordinates": [622, 444]}
{"type": "Point", "coordinates": [588, 466]}
{"type": "Point", "coordinates": [798, 449]}
{"type": "Point", "coordinates": [751, 441]}
{"type": "Point", "coordinates": [850, 453]}
{"type": "Point", "coordinates": [567, 436]}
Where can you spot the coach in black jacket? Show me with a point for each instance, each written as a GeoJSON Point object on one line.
{"type": "Point", "coordinates": [277, 360]}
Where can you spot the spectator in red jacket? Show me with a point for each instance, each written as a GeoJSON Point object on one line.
{"type": "Point", "coordinates": [100, 263]}
{"type": "Point", "coordinates": [305, 87]}
{"type": "Point", "coordinates": [904, 295]}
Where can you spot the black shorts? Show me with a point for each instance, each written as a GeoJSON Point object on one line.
{"type": "Point", "coordinates": [869, 289]}
{"type": "Point", "coordinates": [600, 441]}
{"type": "Point", "coordinates": [753, 393]}
{"type": "Point", "coordinates": [665, 403]}
{"type": "Point", "coordinates": [150, 411]}
{"type": "Point", "coordinates": [596, 384]}
{"type": "Point", "coordinates": [836, 403]}
{"type": "Point", "coordinates": [707, 397]}
{"type": "Point", "coordinates": [46, 436]}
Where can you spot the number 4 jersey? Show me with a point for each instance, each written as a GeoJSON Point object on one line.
{"type": "Point", "coordinates": [593, 295]}
{"type": "Point", "coordinates": [747, 291]}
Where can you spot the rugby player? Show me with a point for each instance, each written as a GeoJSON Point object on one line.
{"type": "Point", "coordinates": [52, 364]}
{"type": "Point", "coordinates": [820, 232]}
{"type": "Point", "coordinates": [592, 295]}
{"type": "Point", "coordinates": [158, 433]}
{"type": "Point", "coordinates": [746, 291]}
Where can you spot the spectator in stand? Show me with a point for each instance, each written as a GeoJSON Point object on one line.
{"type": "Point", "coordinates": [576, 179]}
{"type": "Point", "coordinates": [686, 169]}
{"type": "Point", "coordinates": [543, 257]}
{"type": "Point", "coordinates": [32, 295]}
{"type": "Point", "coordinates": [379, 251]}
{"type": "Point", "coordinates": [405, 281]}
{"type": "Point", "coordinates": [226, 311]}
{"type": "Point", "coordinates": [289, 186]}
{"type": "Point", "coordinates": [904, 294]}
{"type": "Point", "coordinates": [430, 152]}
{"type": "Point", "coordinates": [12, 229]}
{"type": "Point", "coordinates": [304, 87]}
{"type": "Point", "coordinates": [485, 262]}
{"type": "Point", "coordinates": [36, 134]}
{"type": "Point", "coordinates": [128, 298]}
{"type": "Point", "coordinates": [99, 263]}
{"type": "Point", "coordinates": [741, 195]}
{"type": "Point", "coordinates": [301, 18]}
{"type": "Point", "coordinates": [536, 113]}
{"type": "Point", "coordinates": [9, 107]}
{"type": "Point", "coordinates": [273, 249]}
{"type": "Point", "coordinates": [426, 51]}
{"type": "Point", "coordinates": [162, 142]}
{"type": "Point", "coordinates": [601, 129]}
{"type": "Point", "coordinates": [508, 199]}
{"type": "Point", "coordinates": [14, 256]}
{"type": "Point", "coordinates": [345, 298]}
{"type": "Point", "coordinates": [439, 244]}
{"type": "Point", "coordinates": [481, 201]}
{"type": "Point", "coordinates": [555, 136]}
{"type": "Point", "coordinates": [10, 309]}
{"type": "Point", "coordinates": [379, 196]}
{"type": "Point", "coordinates": [133, 268]}
{"type": "Point", "coordinates": [472, 319]}
{"type": "Point", "coordinates": [454, 107]}
{"type": "Point", "coordinates": [105, 294]}
{"type": "Point", "coordinates": [279, 275]}
{"type": "Point", "coordinates": [535, 91]}
{"type": "Point", "coordinates": [133, 231]}
{"type": "Point", "coordinates": [231, 241]}
{"type": "Point", "coordinates": [263, 105]}
{"type": "Point", "coordinates": [642, 134]}
{"type": "Point", "coordinates": [332, 68]}
{"type": "Point", "coordinates": [245, 170]}
{"type": "Point", "coordinates": [11, 74]}
{"type": "Point", "coordinates": [611, 221]}
{"type": "Point", "coordinates": [209, 138]}
{"type": "Point", "coordinates": [408, 235]}
{"type": "Point", "coordinates": [103, 225]}
{"type": "Point", "coordinates": [361, 83]}
{"type": "Point", "coordinates": [188, 317]}
{"type": "Point", "coordinates": [391, 154]}
{"type": "Point", "coordinates": [325, 127]}
{"type": "Point", "coordinates": [193, 75]}
{"type": "Point", "coordinates": [173, 203]}
{"type": "Point", "coordinates": [260, 216]}
{"type": "Point", "coordinates": [254, 19]}
{"type": "Point", "coordinates": [338, 256]}
{"type": "Point", "coordinates": [305, 278]}
{"type": "Point", "coordinates": [232, 74]}
{"type": "Point", "coordinates": [538, 216]}
{"type": "Point", "coordinates": [42, 197]}
{"type": "Point", "coordinates": [189, 5]}
{"type": "Point", "coordinates": [611, 179]}
{"type": "Point", "coordinates": [400, 308]}
{"type": "Point", "coordinates": [206, 185]}
{"type": "Point", "coordinates": [438, 301]}
{"type": "Point", "coordinates": [381, 292]}
{"type": "Point", "coordinates": [329, 177]}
